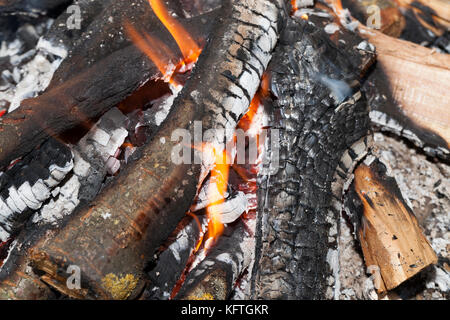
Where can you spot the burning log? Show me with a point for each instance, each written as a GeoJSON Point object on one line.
{"type": "Point", "coordinates": [323, 123]}
{"type": "Point", "coordinates": [215, 277]}
{"type": "Point", "coordinates": [172, 262]}
{"type": "Point", "coordinates": [143, 207]}
{"type": "Point", "coordinates": [392, 241]}
{"type": "Point", "coordinates": [80, 95]}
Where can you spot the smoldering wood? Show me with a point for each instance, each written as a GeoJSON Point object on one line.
{"type": "Point", "coordinates": [100, 71]}
{"type": "Point", "coordinates": [318, 122]}
{"type": "Point", "coordinates": [173, 261]}
{"type": "Point", "coordinates": [394, 246]}
{"type": "Point", "coordinates": [215, 277]}
{"type": "Point", "coordinates": [145, 205]}
{"type": "Point", "coordinates": [48, 180]}
{"type": "Point", "coordinates": [81, 185]}
{"type": "Point", "coordinates": [28, 184]}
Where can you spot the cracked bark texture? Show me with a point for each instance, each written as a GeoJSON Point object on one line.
{"type": "Point", "coordinates": [323, 123]}
{"type": "Point", "coordinates": [144, 206]}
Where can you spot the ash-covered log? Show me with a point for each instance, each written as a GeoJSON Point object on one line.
{"type": "Point", "coordinates": [51, 195]}
{"type": "Point", "coordinates": [144, 206]}
{"type": "Point", "coordinates": [323, 121]}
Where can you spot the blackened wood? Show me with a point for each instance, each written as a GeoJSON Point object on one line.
{"type": "Point", "coordinates": [215, 277]}
{"type": "Point", "coordinates": [171, 264]}
{"type": "Point", "coordinates": [102, 69]}
{"type": "Point", "coordinates": [31, 7]}
{"type": "Point", "coordinates": [319, 124]}
{"type": "Point", "coordinates": [150, 197]}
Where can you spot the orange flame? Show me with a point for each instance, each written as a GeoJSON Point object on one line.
{"type": "Point", "coordinates": [338, 6]}
{"type": "Point", "coordinates": [148, 46]}
{"type": "Point", "coordinates": [294, 6]}
{"type": "Point", "coordinates": [219, 175]}
{"type": "Point", "coordinates": [187, 45]}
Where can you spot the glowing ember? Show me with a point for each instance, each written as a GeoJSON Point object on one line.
{"type": "Point", "coordinates": [2, 113]}
{"type": "Point", "coordinates": [304, 16]}
{"type": "Point", "coordinates": [187, 45]}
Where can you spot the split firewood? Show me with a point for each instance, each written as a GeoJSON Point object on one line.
{"type": "Point", "coordinates": [401, 101]}
{"type": "Point", "coordinates": [142, 205]}
{"type": "Point", "coordinates": [90, 81]}
{"type": "Point", "coordinates": [409, 91]}
{"type": "Point", "coordinates": [391, 239]}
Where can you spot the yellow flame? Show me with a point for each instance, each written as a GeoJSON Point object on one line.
{"type": "Point", "coordinates": [219, 175]}
{"type": "Point", "coordinates": [155, 49]}
{"type": "Point", "coordinates": [187, 45]}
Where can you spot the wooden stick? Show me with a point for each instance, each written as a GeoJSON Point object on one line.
{"type": "Point", "coordinates": [419, 85]}
{"type": "Point", "coordinates": [391, 239]}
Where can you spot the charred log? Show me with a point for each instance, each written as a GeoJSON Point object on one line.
{"type": "Point", "coordinates": [215, 277]}
{"type": "Point", "coordinates": [96, 75]}
{"type": "Point", "coordinates": [323, 123]}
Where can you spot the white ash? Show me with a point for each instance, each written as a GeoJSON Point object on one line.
{"type": "Point", "coordinates": [331, 28]}
{"type": "Point", "coordinates": [310, 12]}
{"type": "Point", "coordinates": [304, 3]}
{"type": "Point", "coordinates": [163, 105]}
{"type": "Point", "coordinates": [366, 46]}
{"type": "Point", "coordinates": [97, 146]}
{"type": "Point", "coordinates": [65, 204]}
{"type": "Point", "coordinates": [32, 70]}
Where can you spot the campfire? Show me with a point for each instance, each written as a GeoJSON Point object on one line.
{"type": "Point", "coordinates": [222, 149]}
